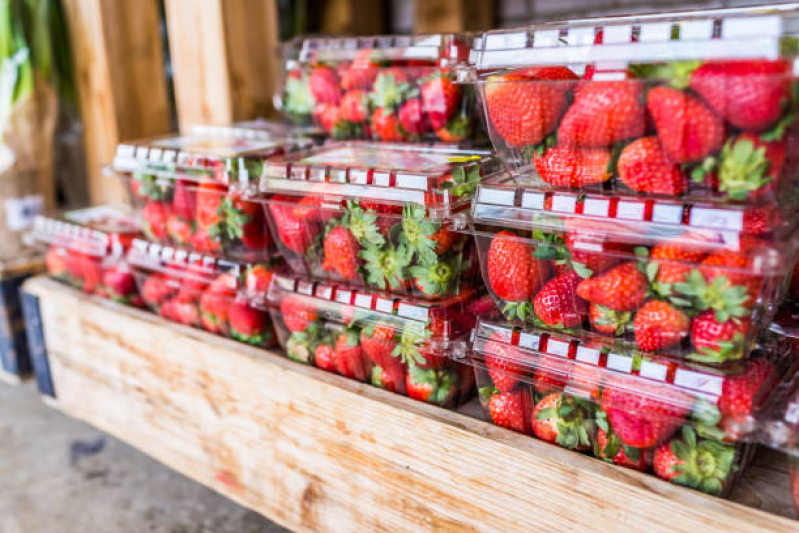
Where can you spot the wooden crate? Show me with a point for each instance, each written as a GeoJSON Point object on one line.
{"type": "Point", "coordinates": [317, 452]}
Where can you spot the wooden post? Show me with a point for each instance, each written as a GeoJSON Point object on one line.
{"type": "Point", "coordinates": [225, 59]}
{"type": "Point", "coordinates": [122, 89]}
{"type": "Point", "coordinates": [434, 16]}
{"type": "Point", "coordinates": [352, 17]}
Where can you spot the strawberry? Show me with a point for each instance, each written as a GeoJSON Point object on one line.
{"type": "Point", "coordinates": [501, 360]}
{"type": "Point", "coordinates": [257, 280]}
{"type": "Point", "coordinates": [718, 341]}
{"type": "Point", "coordinates": [179, 230]}
{"type": "Point", "coordinates": [456, 130]}
{"type": "Point", "coordinates": [551, 373]}
{"type": "Point", "coordinates": [514, 273]}
{"type": "Point", "coordinates": [91, 273]}
{"type": "Point", "coordinates": [324, 85]}
{"type": "Point", "coordinates": [249, 325]}
{"type": "Point", "coordinates": [341, 253]}
{"type": "Point", "coordinates": [383, 380]}
{"type": "Point", "coordinates": [659, 325]}
{"type": "Point", "coordinates": [295, 234]}
{"type": "Point", "coordinates": [523, 110]}
{"type": "Point", "coordinates": [557, 303]}
{"type": "Point", "coordinates": [603, 113]}
{"type": "Point", "coordinates": [440, 97]}
{"type": "Point", "coordinates": [154, 216]}
{"type": "Point", "coordinates": [622, 288]}
{"type": "Point", "coordinates": [728, 271]}
{"type": "Point", "coordinates": [750, 94]}
{"type": "Point", "coordinates": [644, 166]}
{"type": "Point", "coordinates": [588, 262]}
{"type": "Point", "coordinates": [703, 464]}
{"type": "Point", "coordinates": [327, 115]}
{"type": "Point", "coordinates": [411, 118]}
{"type": "Point", "coordinates": [353, 106]}
{"type": "Point", "coordinates": [673, 261]}
{"type": "Point", "coordinates": [325, 357]}
{"type": "Point", "coordinates": [240, 219]}
{"type": "Point", "coordinates": [361, 72]}
{"type": "Point", "coordinates": [301, 345]}
{"type": "Point", "coordinates": [390, 89]}
{"type": "Point", "coordinates": [750, 167]}
{"type": "Point", "coordinates": [386, 125]}
{"type": "Point", "coordinates": [156, 290]}
{"type": "Point", "coordinates": [643, 416]}
{"type": "Point", "coordinates": [349, 358]}
{"type": "Point", "coordinates": [180, 312]}
{"type": "Point", "coordinates": [585, 380]}
{"type": "Point", "coordinates": [209, 200]}
{"type": "Point", "coordinates": [56, 262]}
{"type": "Point", "coordinates": [439, 387]}
{"type": "Point", "coordinates": [184, 200]}
{"type": "Point", "coordinates": [610, 448]}
{"type": "Point", "coordinates": [573, 167]}
{"type": "Point", "coordinates": [687, 129]}
{"type": "Point", "coordinates": [606, 320]}
{"type": "Point", "coordinates": [740, 394]}
{"type": "Point", "coordinates": [388, 267]}
{"type": "Point", "coordinates": [379, 344]}
{"type": "Point", "coordinates": [297, 314]}
{"type": "Point", "coordinates": [203, 242]}
{"type": "Point", "coordinates": [215, 303]}
{"type": "Point", "coordinates": [119, 283]}
{"type": "Point", "coordinates": [563, 420]}
{"type": "Point", "coordinates": [508, 409]}
{"type": "Point", "coordinates": [310, 209]}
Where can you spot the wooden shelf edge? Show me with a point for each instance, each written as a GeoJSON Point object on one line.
{"type": "Point", "coordinates": [315, 451]}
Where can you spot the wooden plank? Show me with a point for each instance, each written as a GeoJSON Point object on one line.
{"type": "Point", "coordinates": [435, 16]}
{"type": "Point", "coordinates": [317, 452]}
{"type": "Point", "coordinates": [225, 59]}
{"type": "Point", "coordinates": [122, 89]}
{"type": "Point", "coordinates": [353, 17]}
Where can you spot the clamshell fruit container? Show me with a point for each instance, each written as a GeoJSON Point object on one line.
{"type": "Point", "coordinates": [399, 344]}
{"type": "Point", "coordinates": [687, 423]}
{"type": "Point", "coordinates": [693, 104]}
{"type": "Point", "coordinates": [197, 190]}
{"type": "Point", "coordinates": [221, 296]}
{"type": "Point", "coordinates": [390, 88]}
{"type": "Point", "coordinates": [685, 279]}
{"type": "Point", "coordinates": [377, 214]}
{"type": "Point", "coordinates": [86, 248]}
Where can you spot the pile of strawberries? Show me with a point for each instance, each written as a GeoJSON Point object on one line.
{"type": "Point", "coordinates": [90, 274]}
{"type": "Point", "coordinates": [387, 100]}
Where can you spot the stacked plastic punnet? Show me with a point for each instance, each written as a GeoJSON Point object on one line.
{"type": "Point", "coordinates": [640, 243]}
{"type": "Point", "coordinates": [86, 248]}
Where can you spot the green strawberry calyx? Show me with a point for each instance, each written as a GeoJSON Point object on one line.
{"type": "Point", "coordinates": [346, 129]}
{"type": "Point", "coordinates": [574, 422]}
{"type": "Point", "coordinates": [231, 222]}
{"type": "Point", "coordinates": [613, 443]}
{"type": "Point", "coordinates": [609, 317]}
{"type": "Point", "coordinates": [148, 186]}
{"type": "Point", "coordinates": [389, 94]}
{"type": "Point", "coordinates": [486, 393]}
{"type": "Point", "coordinates": [725, 299]}
{"type": "Point", "coordinates": [261, 339]}
{"type": "Point", "coordinates": [437, 278]}
{"type": "Point", "coordinates": [417, 233]}
{"type": "Point", "coordinates": [376, 379]}
{"type": "Point", "coordinates": [728, 350]}
{"type": "Point", "coordinates": [704, 465]}
{"type": "Point", "coordinates": [301, 345]}
{"type": "Point", "coordinates": [743, 168]}
{"type": "Point", "coordinates": [407, 348]}
{"type": "Point", "coordinates": [386, 266]}
{"type": "Point", "coordinates": [297, 98]}
{"type": "Point", "coordinates": [363, 226]}
{"type": "Point", "coordinates": [464, 180]}
{"type": "Point", "coordinates": [442, 382]}
{"type": "Point", "coordinates": [522, 311]}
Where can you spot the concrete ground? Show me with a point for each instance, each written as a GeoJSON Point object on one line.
{"type": "Point", "coordinates": [60, 475]}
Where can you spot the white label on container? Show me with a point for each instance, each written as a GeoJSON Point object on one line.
{"type": "Point", "coordinates": [596, 207]}
{"type": "Point", "coordinates": [622, 363]}
{"type": "Point", "coordinates": [696, 29]}
{"type": "Point", "coordinates": [709, 217]}
{"type": "Point", "coordinates": [587, 355]}
{"type": "Point", "coordinates": [414, 312]}
{"type": "Point", "coordinates": [655, 32]}
{"type": "Point", "coordinates": [737, 27]}
{"type": "Point", "coordinates": [699, 381]}
{"type": "Point", "coordinates": [564, 203]}
{"type": "Point", "coordinates": [617, 33]}
{"type": "Point", "coordinates": [654, 371]}
{"type": "Point", "coordinates": [581, 36]}
{"type": "Point", "coordinates": [20, 212]}
{"type": "Point", "coordinates": [533, 200]}
{"type": "Point", "coordinates": [630, 210]}
{"type": "Point", "coordinates": [528, 340]}
{"type": "Point", "coordinates": [496, 195]}
{"type": "Point", "coordinates": [667, 213]}
{"type": "Point", "coordinates": [556, 347]}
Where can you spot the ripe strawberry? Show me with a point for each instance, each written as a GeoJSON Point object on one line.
{"type": "Point", "coordinates": [586, 380]}
{"type": "Point", "coordinates": [203, 242]}
{"type": "Point", "coordinates": [704, 465]}
{"type": "Point", "coordinates": [249, 325]}
{"type": "Point", "coordinates": [297, 314]}
{"type": "Point", "coordinates": [563, 420]}
{"type": "Point", "coordinates": [361, 73]}
{"type": "Point", "coordinates": [209, 200]}
{"type": "Point", "coordinates": [673, 261]}
{"type": "Point", "coordinates": [501, 359]}
{"type": "Point", "coordinates": [379, 343]}
{"type": "Point", "coordinates": [643, 415]}
{"type": "Point", "coordinates": [508, 409]}
{"type": "Point", "coordinates": [353, 106]}
{"type": "Point", "coordinates": [325, 357]}
{"type": "Point", "coordinates": [718, 341]}
{"type": "Point", "coordinates": [257, 280]}
{"type": "Point", "coordinates": [603, 113]}
{"type": "Point", "coordinates": [606, 320]}
{"type": "Point", "coordinates": [341, 251]}
{"type": "Point", "coordinates": [215, 303]}
{"type": "Point", "coordinates": [644, 166]}
{"type": "Point", "coordinates": [301, 345]}
{"type": "Point", "coordinates": [56, 262]}
{"type": "Point", "coordinates": [295, 234]}
{"type": "Point", "coordinates": [687, 129]}
{"type": "Point", "coordinates": [91, 273]}
{"type": "Point", "coordinates": [184, 200]}
{"type": "Point", "coordinates": [622, 288]}
{"type": "Point", "coordinates": [155, 215]}
{"type": "Point", "coordinates": [659, 325]}
{"type": "Point", "coordinates": [119, 283]}
{"type": "Point", "coordinates": [386, 125]}
{"type": "Point", "coordinates": [439, 387]}
{"type": "Point", "coordinates": [573, 167]}
{"type": "Point", "coordinates": [551, 373]}
{"type": "Point", "coordinates": [349, 358]}
{"type": "Point", "coordinates": [557, 303]}
{"type": "Point", "coordinates": [324, 85]}
{"type": "Point", "coordinates": [750, 167]}
{"type": "Point", "coordinates": [156, 290]}
{"type": "Point", "coordinates": [610, 448]}
{"type": "Point", "coordinates": [589, 262]}
{"type": "Point", "coordinates": [731, 268]}
{"type": "Point", "coordinates": [327, 116]}
{"type": "Point", "coordinates": [181, 312]}
{"type": "Point", "coordinates": [411, 118]}
{"type": "Point", "coordinates": [750, 94]}
{"type": "Point", "coordinates": [440, 97]}
{"type": "Point", "coordinates": [457, 129]}
{"type": "Point", "coordinates": [383, 380]}
{"type": "Point", "coordinates": [179, 230]}
{"type": "Point", "coordinates": [523, 110]}
{"type": "Point", "coordinates": [508, 266]}
{"type": "Point", "coordinates": [741, 394]}
{"type": "Point", "coordinates": [245, 220]}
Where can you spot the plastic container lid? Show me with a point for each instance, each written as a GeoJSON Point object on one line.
{"type": "Point", "coordinates": [780, 429]}
{"type": "Point", "coordinates": [742, 33]}
{"type": "Point", "coordinates": [440, 177]}
{"type": "Point", "coordinates": [100, 231]}
{"type": "Point", "coordinates": [695, 392]}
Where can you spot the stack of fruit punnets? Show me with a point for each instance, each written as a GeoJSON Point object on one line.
{"type": "Point", "coordinates": [197, 190]}
{"type": "Point", "coordinates": [695, 105]}
{"type": "Point", "coordinates": [376, 214]}
{"type": "Point", "coordinates": [221, 296]}
{"type": "Point", "coordinates": [389, 88]}
{"type": "Point", "coordinates": [689, 424]}
{"type": "Point", "coordinates": [399, 344]}
{"type": "Point", "coordinates": [679, 278]}
{"type": "Point", "coordinates": [86, 248]}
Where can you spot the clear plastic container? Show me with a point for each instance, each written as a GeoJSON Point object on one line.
{"type": "Point", "coordinates": [398, 344]}
{"type": "Point", "coordinates": [686, 279]}
{"type": "Point", "coordinates": [693, 104]}
{"type": "Point", "coordinates": [689, 424]}
{"type": "Point", "coordinates": [389, 88]}
{"type": "Point", "coordinates": [221, 296]}
{"type": "Point", "coordinates": [86, 248]}
{"type": "Point", "coordinates": [197, 190]}
{"type": "Point", "coordinates": [377, 215]}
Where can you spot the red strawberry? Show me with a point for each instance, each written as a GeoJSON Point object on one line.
{"type": "Point", "coordinates": [155, 215]}
{"type": "Point", "coordinates": [310, 209]}
{"type": "Point", "coordinates": [382, 379]}
{"type": "Point", "coordinates": [606, 320]}
{"type": "Point", "coordinates": [557, 303]}
{"type": "Point", "coordinates": [582, 252]}
{"type": "Point", "coordinates": [91, 273]}
{"type": "Point", "coordinates": [294, 233]}
{"type": "Point", "coordinates": [750, 94]}
{"type": "Point", "coordinates": [734, 266]}
{"type": "Point", "coordinates": [179, 230]}
{"type": "Point", "coordinates": [610, 448]}
{"type": "Point", "coordinates": [603, 113]}
{"type": "Point", "coordinates": [439, 387]}
{"type": "Point", "coordinates": [622, 288]}
{"type": "Point", "coordinates": [327, 115]}
{"type": "Point", "coordinates": [705, 465]}
{"type": "Point", "coordinates": [181, 312]}
{"type": "Point", "coordinates": [644, 166]}
{"type": "Point", "coordinates": [203, 242]}
{"type": "Point", "coordinates": [501, 359]}
{"type": "Point", "coordinates": [740, 394]}
{"type": "Point", "coordinates": [350, 360]}
{"type": "Point", "coordinates": [508, 409]}
{"type": "Point", "coordinates": [209, 201]}
{"type": "Point", "coordinates": [297, 314]}
{"type": "Point", "coordinates": [249, 325]}
{"type": "Point", "coordinates": [551, 373]}
{"type": "Point", "coordinates": [573, 167]}
{"type": "Point", "coordinates": [718, 341]}
{"type": "Point", "coordinates": [386, 125]}
{"type": "Point", "coordinates": [119, 283]}
{"type": "Point", "coordinates": [563, 420]}
{"type": "Point", "coordinates": [659, 325]}
{"type": "Point", "coordinates": [440, 97]}
{"type": "Point", "coordinates": [361, 73]}
{"type": "Point", "coordinates": [324, 85]}
{"type": "Point", "coordinates": [523, 110]}
{"type": "Point", "coordinates": [673, 261]}
{"type": "Point", "coordinates": [156, 290]}
{"type": "Point", "coordinates": [353, 106]}
{"type": "Point", "coordinates": [750, 167]}
{"type": "Point", "coordinates": [184, 201]}
{"type": "Point", "coordinates": [643, 416]}
{"type": "Point", "coordinates": [585, 380]}
{"type": "Point", "coordinates": [411, 118]}
{"type": "Point", "coordinates": [508, 265]}
{"type": "Point", "coordinates": [215, 303]}
{"type": "Point", "coordinates": [378, 343]}
{"type": "Point", "coordinates": [687, 129]}
{"type": "Point", "coordinates": [341, 251]}
{"type": "Point", "coordinates": [257, 280]}
{"type": "Point", "coordinates": [325, 357]}
{"type": "Point", "coordinates": [56, 262]}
